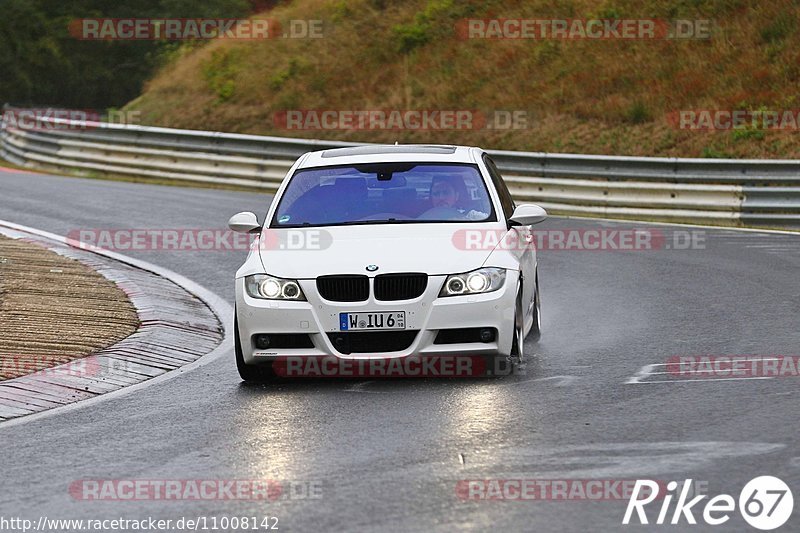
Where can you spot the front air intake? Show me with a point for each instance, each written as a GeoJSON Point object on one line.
{"type": "Point", "coordinates": [346, 288]}
{"type": "Point", "coordinates": [390, 287]}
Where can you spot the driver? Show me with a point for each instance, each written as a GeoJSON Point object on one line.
{"type": "Point", "coordinates": [443, 193]}
{"type": "Point", "coordinates": [446, 192]}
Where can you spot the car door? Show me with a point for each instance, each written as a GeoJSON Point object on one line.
{"type": "Point", "coordinates": [524, 251]}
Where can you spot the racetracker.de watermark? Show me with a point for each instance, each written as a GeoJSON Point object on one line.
{"type": "Point", "coordinates": [179, 29]}
{"type": "Point", "coordinates": [537, 489]}
{"type": "Point", "coordinates": [57, 119]}
{"type": "Point", "coordinates": [583, 29]}
{"type": "Point", "coordinates": [194, 489]}
{"type": "Point", "coordinates": [401, 119]}
{"type": "Point", "coordinates": [55, 366]}
{"type": "Point", "coordinates": [580, 239]}
{"type": "Point", "coordinates": [198, 240]}
{"type": "Point", "coordinates": [735, 119]}
{"type": "Point", "coordinates": [733, 366]}
{"type": "Point", "coordinates": [413, 366]}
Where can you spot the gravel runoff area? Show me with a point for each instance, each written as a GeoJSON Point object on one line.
{"type": "Point", "coordinates": [54, 309]}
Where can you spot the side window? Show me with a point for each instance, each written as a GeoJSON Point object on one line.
{"type": "Point", "coordinates": [502, 191]}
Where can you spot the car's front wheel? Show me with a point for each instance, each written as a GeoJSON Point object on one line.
{"type": "Point", "coordinates": [250, 373]}
{"type": "Point", "coordinates": [518, 342]}
{"type": "Point", "coordinates": [505, 364]}
{"type": "Point", "coordinates": [536, 329]}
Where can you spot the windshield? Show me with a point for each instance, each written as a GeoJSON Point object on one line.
{"type": "Point", "coordinates": [384, 193]}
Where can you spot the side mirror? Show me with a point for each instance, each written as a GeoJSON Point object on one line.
{"type": "Point", "coordinates": [246, 222]}
{"type": "Point", "coordinates": [527, 215]}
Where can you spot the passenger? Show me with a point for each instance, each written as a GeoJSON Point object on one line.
{"type": "Point", "coordinates": [449, 192]}
{"type": "Point", "coordinates": [443, 193]}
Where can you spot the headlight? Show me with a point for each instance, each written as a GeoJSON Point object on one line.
{"type": "Point", "coordinates": [269, 288]}
{"type": "Point", "coordinates": [475, 282]}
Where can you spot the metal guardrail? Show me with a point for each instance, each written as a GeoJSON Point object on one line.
{"type": "Point", "coordinates": [701, 191]}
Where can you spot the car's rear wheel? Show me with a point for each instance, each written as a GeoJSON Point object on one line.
{"type": "Point", "coordinates": [249, 373]}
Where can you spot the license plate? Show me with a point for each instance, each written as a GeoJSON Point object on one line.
{"type": "Point", "coordinates": [372, 321]}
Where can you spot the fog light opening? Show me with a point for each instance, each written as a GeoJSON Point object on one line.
{"type": "Point", "coordinates": [487, 335]}
{"type": "Point", "coordinates": [262, 342]}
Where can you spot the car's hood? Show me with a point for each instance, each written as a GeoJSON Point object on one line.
{"type": "Point", "coordinates": [430, 248]}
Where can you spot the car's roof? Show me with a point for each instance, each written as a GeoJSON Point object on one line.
{"type": "Point", "coordinates": [389, 153]}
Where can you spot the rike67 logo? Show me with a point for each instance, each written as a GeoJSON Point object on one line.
{"type": "Point", "coordinates": [765, 503]}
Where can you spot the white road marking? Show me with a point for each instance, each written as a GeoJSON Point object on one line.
{"type": "Point", "coordinates": [754, 358]}
{"type": "Point", "coordinates": [687, 372]}
{"type": "Point", "coordinates": [693, 380]}
{"type": "Point", "coordinates": [642, 374]}
{"type": "Point", "coordinates": [648, 370]}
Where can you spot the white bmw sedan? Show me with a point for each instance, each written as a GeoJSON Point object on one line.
{"type": "Point", "coordinates": [388, 252]}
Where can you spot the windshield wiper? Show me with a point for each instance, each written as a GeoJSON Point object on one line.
{"type": "Point", "coordinates": [373, 221]}
{"type": "Point", "coordinates": [347, 223]}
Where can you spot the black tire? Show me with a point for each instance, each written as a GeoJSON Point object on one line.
{"type": "Point", "coordinates": [536, 330]}
{"type": "Point", "coordinates": [518, 341]}
{"type": "Point", "coordinates": [503, 365]}
{"type": "Point", "coordinates": [249, 373]}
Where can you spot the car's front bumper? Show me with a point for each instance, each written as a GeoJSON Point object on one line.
{"type": "Point", "coordinates": [427, 314]}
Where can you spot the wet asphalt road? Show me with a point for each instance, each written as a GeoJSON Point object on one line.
{"type": "Point", "coordinates": [388, 455]}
